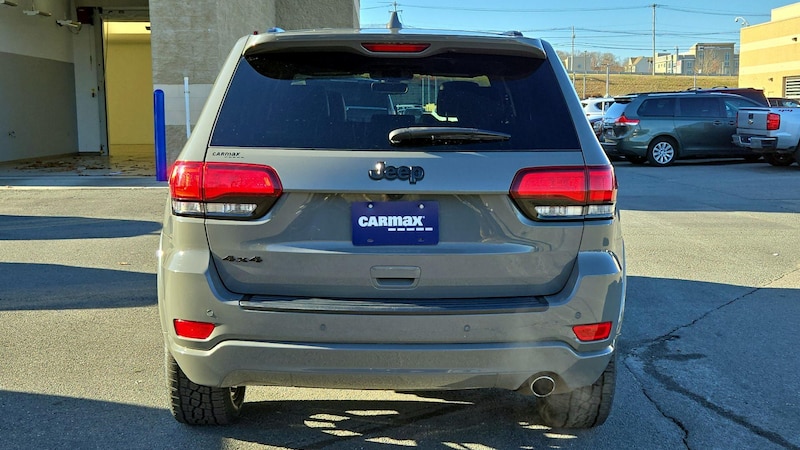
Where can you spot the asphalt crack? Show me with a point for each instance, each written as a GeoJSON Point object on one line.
{"type": "Point", "coordinates": [657, 350]}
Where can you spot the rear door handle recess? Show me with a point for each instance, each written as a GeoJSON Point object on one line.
{"type": "Point", "coordinates": [395, 277]}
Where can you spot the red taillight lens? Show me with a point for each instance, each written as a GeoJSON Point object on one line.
{"type": "Point", "coordinates": [773, 121]}
{"type": "Point", "coordinates": [558, 185]}
{"type": "Point", "coordinates": [193, 330]}
{"type": "Point", "coordinates": [565, 192]}
{"type": "Point", "coordinates": [602, 185]}
{"type": "Point", "coordinates": [622, 120]}
{"type": "Point", "coordinates": [186, 181]}
{"type": "Point", "coordinates": [239, 180]}
{"type": "Point", "coordinates": [391, 47]}
{"type": "Point", "coordinates": [592, 332]}
{"type": "Point", "coordinates": [223, 190]}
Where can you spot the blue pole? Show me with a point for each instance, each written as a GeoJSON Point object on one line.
{"type": "Point", "coordinates": [161, 135]}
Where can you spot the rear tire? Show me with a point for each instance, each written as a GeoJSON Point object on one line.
{"type": "Point", "coordinates": [779, 159]}
{"type": "Point", "coordinates": [585, 407]}
{"type": "Point", "coordinates": [662, 152]}
{"type": "Point", "coordinates": [195, 404]}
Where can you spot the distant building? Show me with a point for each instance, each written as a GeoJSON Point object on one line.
{"type": "Point", "coordinates": [702, 58]}
{"type": "Point", "coordinates": [714, 58]}
{"type": "Point", "coordinates": [578, 64]}
{"type": "Point", "coordinates": [770, 54]}
{"type": "Point", "coordinates": [637, 64]}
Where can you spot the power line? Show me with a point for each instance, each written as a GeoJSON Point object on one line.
{"type": "Point", "coordinates": [712, 13]}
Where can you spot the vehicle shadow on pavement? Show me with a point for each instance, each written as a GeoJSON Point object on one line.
{"type": "Point", "coordinates": [55, 421]}
{"type": "Point", "coordinates": [53, 227]}
{"type": "Point", "coordinates": [30, 286]}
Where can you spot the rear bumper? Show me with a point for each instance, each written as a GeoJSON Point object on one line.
{"type": "Point", "coordinates": [756, 143]}
{"type": "Point", "coordinates": [476, 349]}
{"type": "Point", "coordinates": [396, 367]}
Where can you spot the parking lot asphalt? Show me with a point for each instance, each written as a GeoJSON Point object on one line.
{"type": "Point", "coordinates": [708, 355]}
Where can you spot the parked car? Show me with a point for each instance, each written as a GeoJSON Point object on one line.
{"type": "Point", "coordinates": [313, 240]}
{"type": "Point", "coordinates": [606, 126]}
{"type": "Point", "coordinates": [663, 127]}
{"type": "Point", "coordinates": [757, 95]}
{"type": "Point", "coordinates": [595, 108]}
{"type": "Point", "coordinates": [784, 102]}
{"type": "Point", "coordinates": [771, 132]}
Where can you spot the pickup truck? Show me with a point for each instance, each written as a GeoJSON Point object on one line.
{"type": "Point", "coordinates": [772, 132]}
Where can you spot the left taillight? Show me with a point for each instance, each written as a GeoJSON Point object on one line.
{"type": "Point", "coordinates": [223, 190]}
{"type": "Point", "coordinates": [193, 330]}
{"type": "Point", "coordinates": [565, 193]}
{"type": "Point", "coordinates": [592, 332]}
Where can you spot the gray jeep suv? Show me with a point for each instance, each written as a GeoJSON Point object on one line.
{"type": "Point", "coordinates": [317, 235]}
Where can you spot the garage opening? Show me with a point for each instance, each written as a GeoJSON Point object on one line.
{"type": "Point", "coordinates": [129, 93]}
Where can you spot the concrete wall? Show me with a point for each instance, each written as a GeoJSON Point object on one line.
{"type": "Point", "coordinates": [770, 52]}
{"type": "Point", "coordinates": [192, 39]}
{"type": "Point", "coordinates": [307, 14]}
{"type": "Point", "coordinates": [37, 83]}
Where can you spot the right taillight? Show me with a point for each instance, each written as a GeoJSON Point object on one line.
{"type": "Point", "coordinates": [622, 120]}
{"type": "Point", "coordinates": [565, 193]}
{"type": "Point", "coordinates": [773, 121]}
{"type": "Point", "coordinates": [223, 190]}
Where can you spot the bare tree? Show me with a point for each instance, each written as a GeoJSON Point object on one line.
{"type": "Point", "coordinates": [711, 61]}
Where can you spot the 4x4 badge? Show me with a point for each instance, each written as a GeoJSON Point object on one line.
{"type": "Point", "coordinates": [231, 258]}
{"type": "Point", "coordinates": [410, 173]}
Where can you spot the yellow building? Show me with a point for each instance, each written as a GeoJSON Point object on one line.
{"type": "Point", "coordinates": [770, 54]}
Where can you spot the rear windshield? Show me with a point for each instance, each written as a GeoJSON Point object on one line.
{"type": "Point", "coordinates": [615, 110]}
{"type": "Point", "coordinates": [341, 100]}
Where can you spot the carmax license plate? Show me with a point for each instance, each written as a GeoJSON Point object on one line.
{"type": "Point", "coordinates": [395, 223]}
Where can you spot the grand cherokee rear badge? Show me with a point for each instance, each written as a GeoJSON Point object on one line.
{"type": "Point", "coordinates": [410, 173]}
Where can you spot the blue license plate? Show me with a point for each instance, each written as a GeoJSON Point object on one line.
{"type": "Point", "coordinates": [395, 223]}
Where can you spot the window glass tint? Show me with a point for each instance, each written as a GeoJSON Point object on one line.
{"type": "Point", "coordinates": [341, 100]}
{"type": "Point", "coordinates": [615, 110]}
{"type": "Point", "coordinates": [700, 107]}
{"type": "Point", "coordinates": [658, 107]}
{"type": "Point", "coordinates": [733, 104]}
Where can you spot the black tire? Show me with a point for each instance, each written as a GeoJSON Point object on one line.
{"type": "Point", "coordinates": [636, 159]}
{"type": "Point", "coordinates": [195, 404]}
{"type": "Point", "coordinates": [585, 407]}
{"type": "Point", "coordinates": [779, 159]}
{"type": "Point", "coordinates": [662, 151]}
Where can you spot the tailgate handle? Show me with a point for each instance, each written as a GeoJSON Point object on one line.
{"type": "Point", "coordinates": [395, 277]}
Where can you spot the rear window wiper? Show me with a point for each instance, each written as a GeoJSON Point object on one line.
{"type": "Point", "coordinates": [425, 136]}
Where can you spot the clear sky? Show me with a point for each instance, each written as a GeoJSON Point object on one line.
{"type": "Point", "coordinates": [624, 28]}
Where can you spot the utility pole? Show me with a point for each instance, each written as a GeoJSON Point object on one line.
{"type": "Point", "coordinates": [654, 39]}
{"type": "Point", "coordinates": [606, 80]}
{"type": "Point", "coordinates": [584, 74]}
{"type": "Point", "coordinates": [572, 58]}
{"type": "Point", "coordinates": [675, 61]}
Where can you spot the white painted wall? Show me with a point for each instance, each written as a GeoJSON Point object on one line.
{"type": "Point", "coordinates": [36, 36]}
{"type": "Point", "coordinates": [87, 96]}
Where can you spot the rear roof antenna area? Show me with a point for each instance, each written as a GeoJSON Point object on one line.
{"type": "Point", "coordinates": [394, 20]}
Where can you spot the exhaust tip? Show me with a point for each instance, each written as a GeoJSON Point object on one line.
{"type": "Point", "coordinates": [543, 386]}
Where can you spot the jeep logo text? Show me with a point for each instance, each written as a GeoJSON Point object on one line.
{"type": "Point", "coordinates": [410, 173]}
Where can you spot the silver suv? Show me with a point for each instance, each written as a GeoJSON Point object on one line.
{"type": "Point", "coordinates": [319, 236]}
